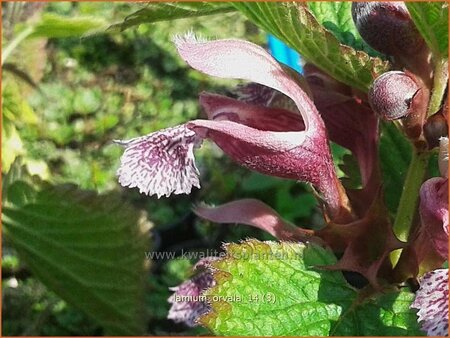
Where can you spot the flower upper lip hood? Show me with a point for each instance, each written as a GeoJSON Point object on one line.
{"type": "Point", "coordinates": [163, 162]}
{"type": "Point", "coordinates": [348, 118]}
{"type": "Point", "coordinates": [238, 59]}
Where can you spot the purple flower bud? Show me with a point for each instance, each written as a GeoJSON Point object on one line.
{"type": "Point", "coordinates": [387, 27]}
{"type": "Point", "coordinates": [435, 128]}
{"type": "Point", "coordinates": [392, 95]}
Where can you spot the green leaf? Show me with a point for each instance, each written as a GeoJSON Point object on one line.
{"type": "Point", "coordinates": [155, 12]}
{"type": "Point", "coordinates": [431, 19]}
{"type": "Point", "coordinates": [339, 155]}
{"type": "Point", "coordinates": [56, 26]}
{"type": "Point", "coordinates": [87, 248]}
{"type": "Point", "coordinates": [296, 26]}
{"type": "Point", "coordinates": [352, 174]}
{"type": "Point", "coordinates": [387, 315]}
{"type": "Point", "coordinates": [337, 18]}
{"type": "Point", "coordinates": [395, 156]}
{"type": "Point", "coordinates": [277, 289]}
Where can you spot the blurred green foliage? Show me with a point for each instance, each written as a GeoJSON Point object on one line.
{"type": "Point", "coordinates": [84, 246]}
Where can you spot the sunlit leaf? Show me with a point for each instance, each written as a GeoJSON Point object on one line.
{"type": "Point", "coordinates": [431, 19]}
{"type": "Point", "coordinates": [336, 16]}
{"type": "Point", "coordinates": [294, 24]}
{"type": "Point", "coordinates": [278, 289]}
{"type": "Point", "coordinates": [386, 315]}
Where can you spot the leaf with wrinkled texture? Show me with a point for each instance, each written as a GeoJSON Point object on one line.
{"type": "Point", "coordinates": [269, 288]}
{"type": "Point", "coordinates": [296, 26]}
{"type": "Point", "coordinates": [337, 18]}
{"type": "Point", "coordinates": [387, 315]}
{"type": "Point", "coordinates": [431, 19]}
{"type": "Point", "coordinates": [87, 248]}
{"type": "Point", "coordinates": [154, 12]}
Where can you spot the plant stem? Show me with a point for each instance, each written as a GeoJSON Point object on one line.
{"type": "Point", "coordinates": [15, 42]}
{"type": "Point", "coordinates": [439, 86]}
{"type": "Point", "coordinates": [418, 166]}
{"type": "Point", "coordinates": [409, 198]}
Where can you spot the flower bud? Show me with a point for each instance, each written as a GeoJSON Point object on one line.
{"type": "Point", "coordinates": [392, 95]}
{"type": "Point", "coordinates": [434, 129]}
{"type": "Point", "coordinates": [387, 27]}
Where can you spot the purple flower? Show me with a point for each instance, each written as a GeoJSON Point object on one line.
{"type": "Point", "coordinates": [255, 213]}
{"type": "Point", "coordinates": [187, 302]}
{"type": "Point", "coordinates": [432, 302]}
{"type": "Point", "coordinates": [434, 212]}
{"type": "Point", "coordinates": [278, 143]}
{"type": "Point", "coordinates": [432, 297]}
{"type": "Point", "coordinates": [161, 163]}
{"type": "Point", "coordinates": [348, 118]}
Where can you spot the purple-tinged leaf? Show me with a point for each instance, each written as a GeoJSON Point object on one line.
{"type": "Point", "coordinates": [432, 302]}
